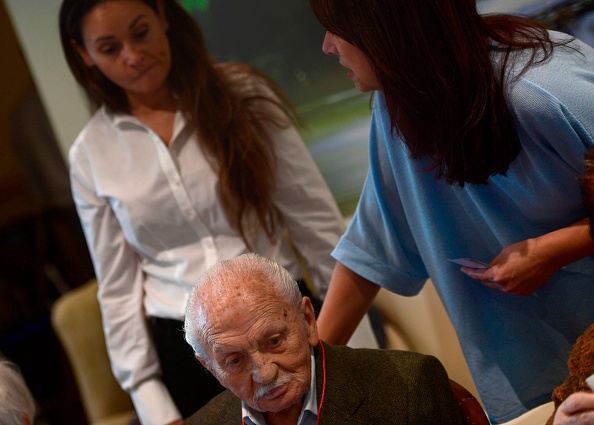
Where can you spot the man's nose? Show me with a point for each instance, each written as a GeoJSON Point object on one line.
{"type": "Point", "coordinates": [264, 370]}
{"type": "Point", "coordinates": [328, 45]}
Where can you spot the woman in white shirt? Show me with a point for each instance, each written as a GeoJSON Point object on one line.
{"type": "Point", "coordinates": [185, 162]}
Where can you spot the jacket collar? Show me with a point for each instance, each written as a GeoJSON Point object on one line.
{"type": "Point", "coordinates": [343, 397]}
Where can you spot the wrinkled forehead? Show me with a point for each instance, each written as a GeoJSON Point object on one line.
{"type": "Point", "coordinates": [247, 324]}
{"type": "Point", "coordinates": [233, 291]}
{"type": "Point", "coordinates": [244, 309]}
{"type": "Point", "coordinates": [227, 298]}
{"type": "Point", "coordinates": [241, 302]}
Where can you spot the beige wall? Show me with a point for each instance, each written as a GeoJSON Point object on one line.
{"type": "Point", "coordinates": [14, 83]}
{"type": "Point", "coordinates": [36, 25]}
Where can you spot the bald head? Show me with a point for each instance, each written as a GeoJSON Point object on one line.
{"type": "Point", "coordinates": [246, 281]}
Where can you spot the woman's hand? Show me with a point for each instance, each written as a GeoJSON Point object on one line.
{"type": "Point", "coordinates": [525, 266]}
{"type": "Point", "coordinates": [519, 269]}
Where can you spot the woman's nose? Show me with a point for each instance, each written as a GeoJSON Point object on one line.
{"type": "Point", "coordinates": [328, 45]}
{"type": "Point", "coordinates": [133, 55]}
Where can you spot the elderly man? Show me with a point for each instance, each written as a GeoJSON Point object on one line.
{"type": "Point", "coordinates": [250, 327]}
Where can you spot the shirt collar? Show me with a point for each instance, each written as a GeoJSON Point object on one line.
{"type": "Point", "coordinates": [309, 411]}
{"type": "Point", "coordinates": [123, 120]}
{"type": "Point", "coordinates": [119, 118]}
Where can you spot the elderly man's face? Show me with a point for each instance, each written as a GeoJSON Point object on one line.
{"type": "Point", "coordinates": [259, 349]}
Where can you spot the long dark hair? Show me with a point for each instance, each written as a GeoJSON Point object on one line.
{"type": "Point", "coordinates": [232, 122]}
{"type": "Point", "coordinates": [433, 58]}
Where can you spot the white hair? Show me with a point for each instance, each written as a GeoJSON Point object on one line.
{"type": "Point", "coordinates": [245, 268]}
{"type": "Point", "coordinates": [16, 401]}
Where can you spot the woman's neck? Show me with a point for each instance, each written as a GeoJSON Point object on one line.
{"type": "Point", "coordinates": [160, 100]}
{"type": "Point", "coordinates": [156, 111]}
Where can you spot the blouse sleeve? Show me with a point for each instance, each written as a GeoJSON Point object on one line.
{"type": "Point", "coordinates": [306, 206]}
{"type": "Point", "coordinates": [133, 357]}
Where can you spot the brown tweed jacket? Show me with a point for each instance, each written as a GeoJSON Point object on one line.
{"type": "Point", "coordinates": [365, 386]}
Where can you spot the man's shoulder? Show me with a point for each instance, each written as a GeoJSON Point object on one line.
{"type": "Point", "coordinates": [396, 386]}
{"type": "Point", "coordinates": [221, 410]}
{"type": "Point", "coordinates": [356, 354]}
{"type": "Point", "coordinates": [392, 367]}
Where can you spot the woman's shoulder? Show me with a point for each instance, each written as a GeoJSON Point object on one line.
{"type": "Point", "coordinates": [99, 127]}
{"type": "Point", "coordinates": [570, 57]}
{"type": "Point", "coordinates": [572, 50]}
{"type": "Point", "coordinates": [562, 80]}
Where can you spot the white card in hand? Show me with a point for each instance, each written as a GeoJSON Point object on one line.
{"type": "Point", "coordinates": [469, 262]}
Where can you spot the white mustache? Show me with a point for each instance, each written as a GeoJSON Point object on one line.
{"type": "Point", "coordinates": [270, 387]}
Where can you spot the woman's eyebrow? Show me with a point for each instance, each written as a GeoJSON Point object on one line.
{"type": "Point", "coordinates": [131, 26]}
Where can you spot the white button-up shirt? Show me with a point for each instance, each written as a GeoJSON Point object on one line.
{"type": "Point", "coordinates": [154, 223]}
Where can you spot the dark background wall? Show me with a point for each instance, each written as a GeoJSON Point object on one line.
{"type": "Point", "coordinates": [42, 251]}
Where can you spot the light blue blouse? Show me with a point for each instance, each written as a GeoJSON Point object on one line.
{"type": "Point", "coordinates": [408, 224]}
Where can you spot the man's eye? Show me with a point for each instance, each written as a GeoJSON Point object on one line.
{"type": "Point", "coordinates": [273, 342]}
{"type": "Point", "coordinates": [233, 361]}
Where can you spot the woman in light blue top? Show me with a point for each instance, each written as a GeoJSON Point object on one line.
{"type": "Point", "coordinates": [479, 130]}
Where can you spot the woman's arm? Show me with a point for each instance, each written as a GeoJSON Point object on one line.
{"type": "Point", "coordinates": [133, 358]}
{"type": "Point", "coordinates": [524, 267]}
{"type": "Point", "coordinates": [348, 299]}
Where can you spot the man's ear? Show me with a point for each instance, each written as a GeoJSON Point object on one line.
{"type": "Point", "coordinates": [203, 363]}
{"type": "Point", "coordinates": [310, 318]}
{"type": "Point", "coordinates": [26, 420]}
{"type": "Point", "coordinates": [82, 53]}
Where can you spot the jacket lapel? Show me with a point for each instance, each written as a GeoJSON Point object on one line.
{"type": "Point", "coordinates": [343, 395]}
